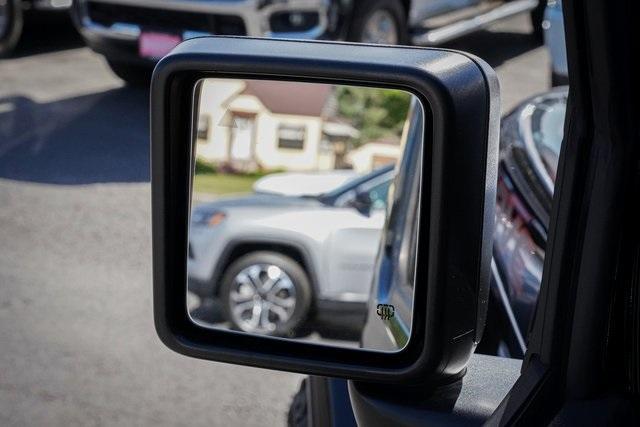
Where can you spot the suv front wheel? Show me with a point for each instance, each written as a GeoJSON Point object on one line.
{"type": "Point", "coordinates": [266, 293]}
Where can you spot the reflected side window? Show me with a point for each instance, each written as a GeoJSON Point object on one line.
{"type": "Point", "coordinates": [291, 137]}
{"type": "Point", "coordinates": [378, 195]}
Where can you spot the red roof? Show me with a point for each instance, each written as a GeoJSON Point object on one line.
{"type": "Point", "coordinates": [306, 99]}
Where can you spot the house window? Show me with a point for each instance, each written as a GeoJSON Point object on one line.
{"type": "Point", "coordinates": [291, 136]}
{"type": "Point", "coordinates": [203, 126]}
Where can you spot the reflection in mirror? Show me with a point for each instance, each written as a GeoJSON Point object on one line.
{"type": "Point", "coordinates": [292, 187]}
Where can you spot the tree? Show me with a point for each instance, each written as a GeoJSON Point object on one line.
{"type": "Point", "coordinates": [376, 113]}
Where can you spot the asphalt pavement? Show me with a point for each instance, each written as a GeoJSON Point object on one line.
{"type": "Point", "coordinates": [77, 342]}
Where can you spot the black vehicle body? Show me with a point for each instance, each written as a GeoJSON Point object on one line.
{"type": "Point", "coordinates": [530, 142]}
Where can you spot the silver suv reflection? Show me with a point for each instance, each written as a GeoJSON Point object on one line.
{"type": "Point", "coordinates": [275, 262]}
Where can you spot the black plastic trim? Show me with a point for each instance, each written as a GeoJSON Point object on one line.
{"type": "Point", "coordinates": [461, 102]}
{"type": "Point", "coordinates": [469, 401]}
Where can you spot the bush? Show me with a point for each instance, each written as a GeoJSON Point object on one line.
{"type": "Point", "coordinates": [204, 167]}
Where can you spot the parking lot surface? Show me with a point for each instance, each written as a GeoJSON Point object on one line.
{"type": "Point", "coordinates": [78, 346]}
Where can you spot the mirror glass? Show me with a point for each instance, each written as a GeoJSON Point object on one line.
{"type": "Point", "coordinates": [304, 211]}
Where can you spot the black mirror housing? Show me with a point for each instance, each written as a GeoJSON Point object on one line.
{"type": "Point", "coordinates": [460, 96]}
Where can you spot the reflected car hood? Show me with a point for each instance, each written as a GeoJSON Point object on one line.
{"type": "Point", "coordinates": [258, 200]}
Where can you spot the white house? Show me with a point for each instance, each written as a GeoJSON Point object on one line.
{"type": "Point", "coordinates": [374, 154]}
{"type": "Point", "coordinates": [256, 124]}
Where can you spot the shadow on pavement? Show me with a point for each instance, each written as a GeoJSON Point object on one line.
{"type": "Point", "coordinates": [97, 138]}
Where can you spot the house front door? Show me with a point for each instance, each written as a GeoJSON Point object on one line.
{"type": "Point", "coordinates": [241, 150]}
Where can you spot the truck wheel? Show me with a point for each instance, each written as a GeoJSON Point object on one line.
{"type": "Point", "coordinates": [379, 22]}
{"type": "Point", "coordinates": [134, 75]}
{"type": "Point", "coordinates": [537, 15]}
{"type": "Point", "coordinates": [10, 25]}
{"type": "Point", "coordinates": [266, 293]}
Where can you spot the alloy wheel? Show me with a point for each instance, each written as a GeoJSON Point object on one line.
{"type": "Point", "coordinates": [262, 298]}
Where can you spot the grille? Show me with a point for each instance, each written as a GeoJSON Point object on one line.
{"type": "Point", "coordinates": [166, 20]}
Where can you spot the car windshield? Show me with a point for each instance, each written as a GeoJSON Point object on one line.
{"type": "Point", "coordinates": [354, 183]}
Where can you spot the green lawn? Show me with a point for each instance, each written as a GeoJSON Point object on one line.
{"type": "Point", "coordinates": [223, 183]}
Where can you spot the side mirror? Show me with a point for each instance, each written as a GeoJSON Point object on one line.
{"type": "Point", "coordinates": [362, 202]}
{"type": "Point", "coordinates": [272, 101]}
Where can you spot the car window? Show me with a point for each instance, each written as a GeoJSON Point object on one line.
{"type": "Point", "coordinates": [375, 185]}
{"type": "Point", "coordinates": [378, 195]}
{"type": "Point", "coordinates": [376, 190]}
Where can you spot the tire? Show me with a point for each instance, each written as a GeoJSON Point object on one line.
{"type": "Point", "coordinates": [10, 26]}
{"type": "Point", "coordinates": [250, 272]}
{"type": "Point", "coordinates": [559, 79]}
{"type": "Point", "coordinates": [133, 75]}
{"type": "Point", "coordinates": [367, 10]}
{"type": "Point", "coordinates": [298, 415]}
{"type": "Point", "coordinates": [537, 15]}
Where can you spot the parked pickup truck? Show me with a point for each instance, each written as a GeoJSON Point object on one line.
{"type": "Point", "coordinates": [134, 34]}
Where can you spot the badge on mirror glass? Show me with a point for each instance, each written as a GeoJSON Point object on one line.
{"type": "Point", "coordinates": [156, 45]}
{"type": "Point", "coordinates": [385, 311]}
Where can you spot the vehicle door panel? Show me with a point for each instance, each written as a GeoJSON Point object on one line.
{"type": "Point", "coordinates": [351, 253]}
